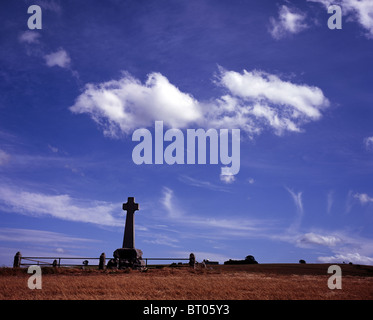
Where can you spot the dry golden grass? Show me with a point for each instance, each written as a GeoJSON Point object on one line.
{"type": "Point", "coordinates": [219, 283]}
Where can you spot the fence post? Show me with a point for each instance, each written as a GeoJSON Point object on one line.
{"type": "Point", "coordinates": [17, 260]}
{"type": "Point", "coordinates": [101, 265]}
{"type": "Point", "coordinates": [192, 259]}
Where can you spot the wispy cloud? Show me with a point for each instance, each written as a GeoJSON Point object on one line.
{"type": "Point", "coordinates": [330, 201]}
{"type": "Point", "coordinates": [227, 226]}
{"type": "Point", "coordinates": [41, 243]}
{"type": "Point", "coordinates": [29, 37]}
{"type": "Point", "coordinates": [4, 157]}
{"type": "Point", "coordinates": [297, 198]}
{"type": "Point", "coordinates": [163, 240]}
{"type": "Point", "coordinates": [58, 206]}
{"type": "Point", "coordinates": [32, 236]}
{"type": "Point", "coordinates": [369, 143]}
{"type": "Point", "coordinates": [349, 201]}
{"type": "Point", "coordinates": [168, 202]}
{"type": "Point", "coordinates": [50, 5]}
{"type": "Point", "coordinates": [202, 184]}
{"type": "Point", "coordinates": [53, 149]}
{"type": "Point", "coordinates": [337, 242]}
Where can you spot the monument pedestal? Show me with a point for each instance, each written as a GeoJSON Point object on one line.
{"type": "Point", "coordinates": [129, 258]}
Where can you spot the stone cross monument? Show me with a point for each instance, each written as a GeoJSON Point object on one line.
{"type": "Point", "coordinates": [128, 256]}
{"type": "Point", "coordinates": [129, 231]}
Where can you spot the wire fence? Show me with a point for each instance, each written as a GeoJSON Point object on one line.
{"type": "Point", "coordinates": [85, 261]}
{"type": "Point", "coordinates": [58, 261]}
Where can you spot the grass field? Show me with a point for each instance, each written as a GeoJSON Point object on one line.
{"type": "Point", "coordinates": [236, 282]}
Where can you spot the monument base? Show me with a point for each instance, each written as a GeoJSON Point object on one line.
{"type": "Point", "coordinates": [129, 258]}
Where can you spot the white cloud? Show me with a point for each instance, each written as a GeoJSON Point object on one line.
{"type": "Point", "coordinates": [59, 58]}
{"type": "Point", "coordinates": [58, 206]}
{"type": "Point", "coordinates": [360, 11]}
{"type": "Point", "coordinates": [363, 11]}
{"type": "Point", "coordinates": [347, 257]}
{"type": "Point", "coordinates": [29, 37]}
{"type": "Point", "coordinates": [4, 157]}
{"type": "Point", "coordinates": [126, 104]}
{"type": "Point", "coordinates": [289, 21]}
{"type": "Point", "coordinates": [369, 143]}
{"type": "Point", "coordinates": [342, 244]}
{"type": "Point", "coordinates": [227, 178]}
{"type": "Point", "coordinates": [256, 99]}
{"type": "Point", "coordinates": [317, 239]}
{"type": "Point", "coordinates": [363, 198]}
{"type": "Point", "coordinates": [34, 47]}
{"type": "Point", "coordinates": [304, 100]}
{"type": "Point", "coordinates": [262, 97]}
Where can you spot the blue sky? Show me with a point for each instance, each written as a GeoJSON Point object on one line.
{"type": "Point", "coordinates": [73, 92]}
